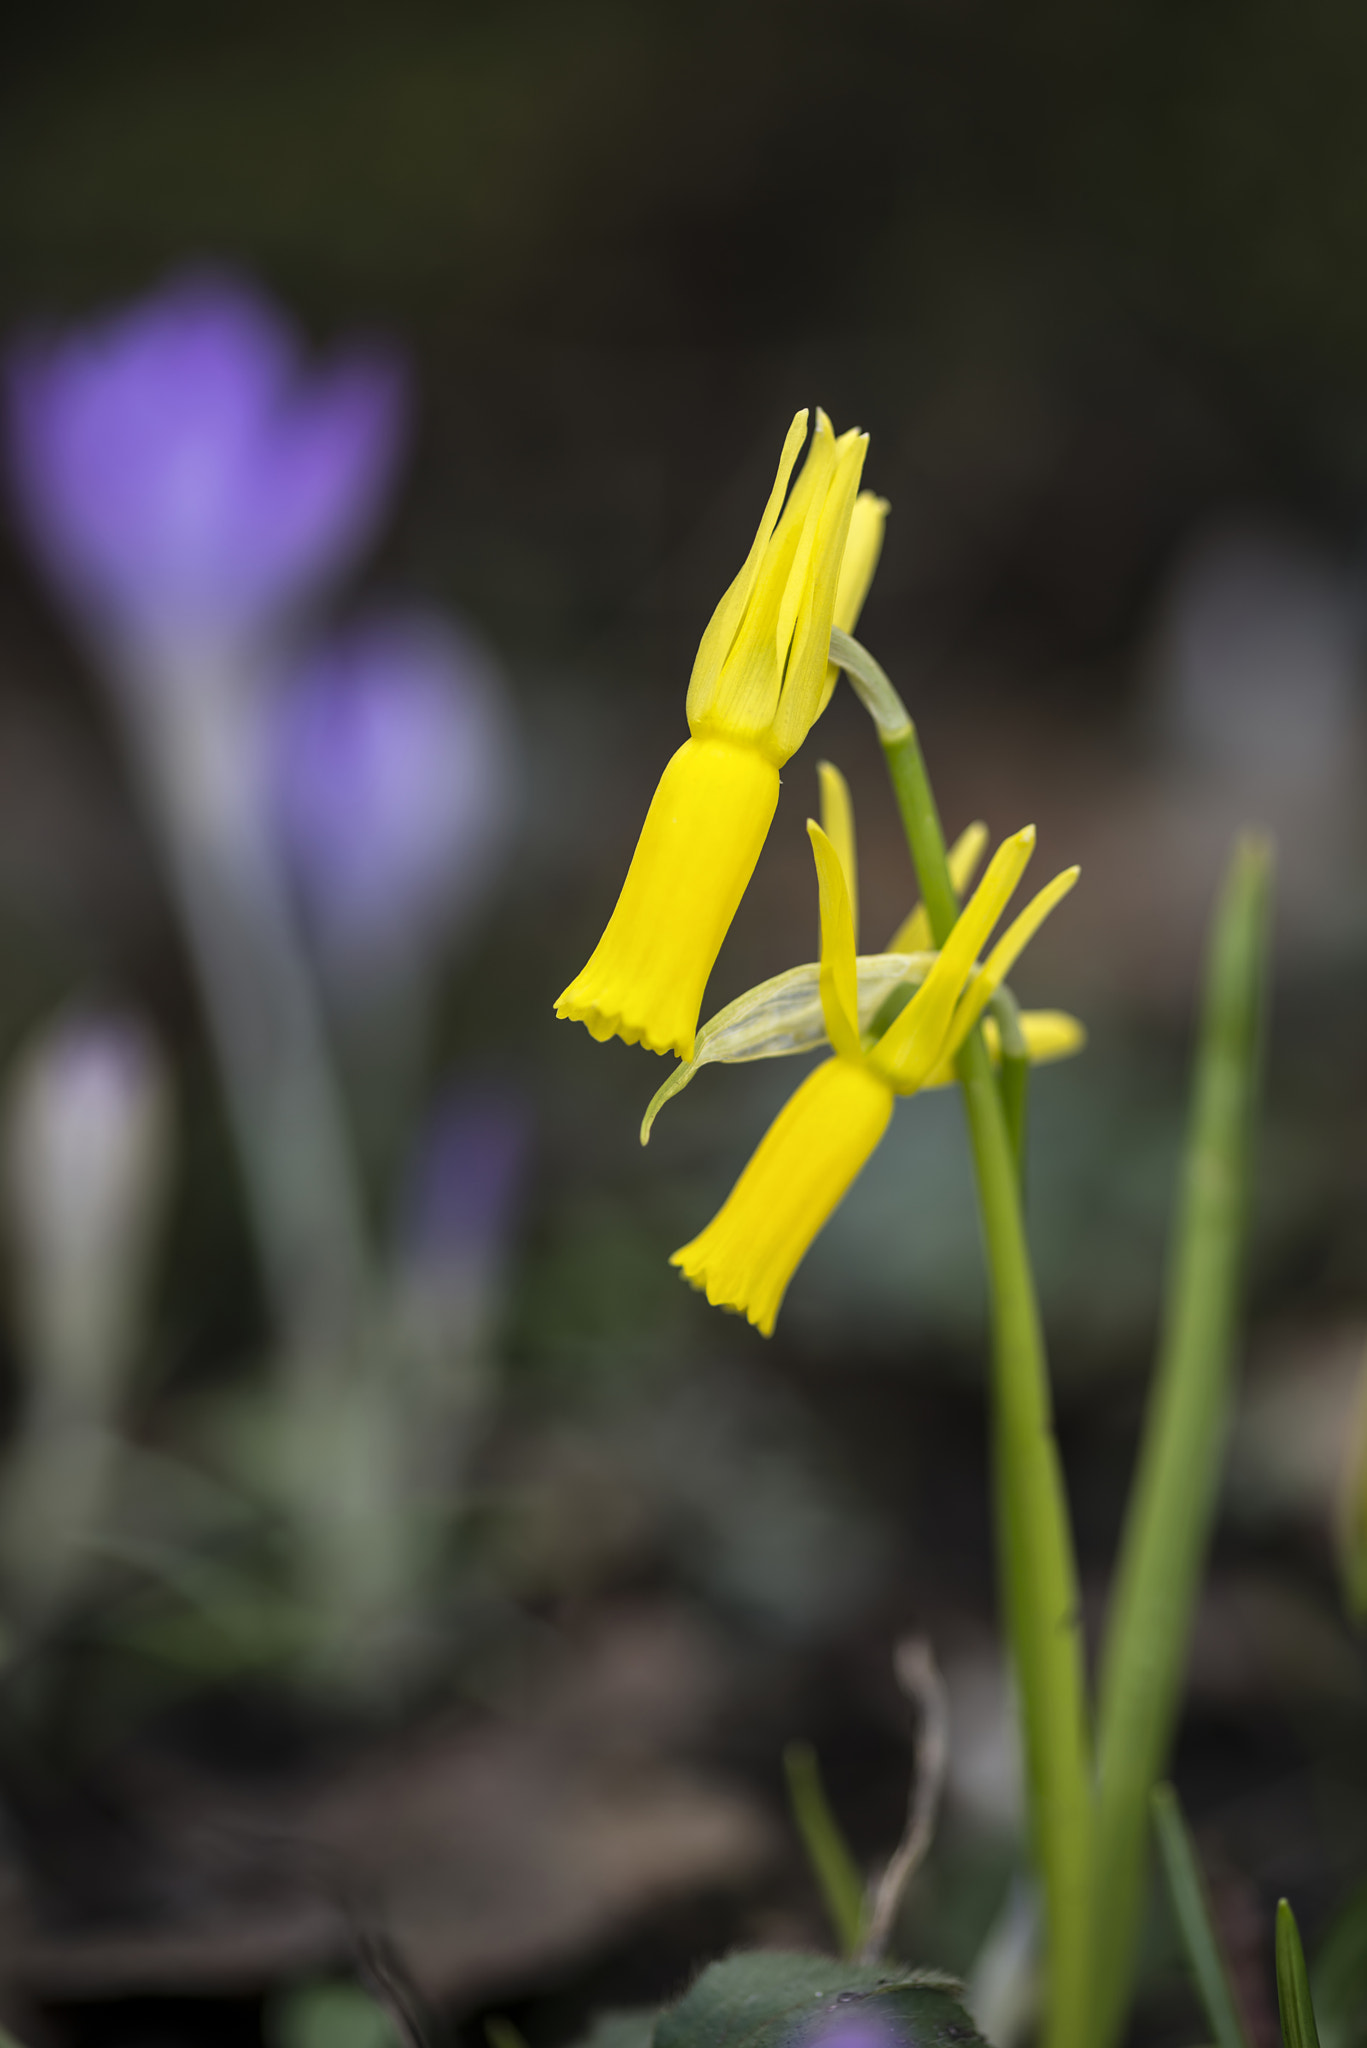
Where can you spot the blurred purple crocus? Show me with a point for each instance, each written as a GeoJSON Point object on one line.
{"type": "Point", "coordinates": [183, 476]}
{"type": "Point", "coordinates": [392, 784]}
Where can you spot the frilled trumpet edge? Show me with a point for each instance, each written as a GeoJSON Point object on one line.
{"type": "Point", "coordinates": [703, 833]}
{"type": "Point", "coordinates": [803, 1166]}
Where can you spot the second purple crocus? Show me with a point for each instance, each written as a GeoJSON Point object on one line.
{"type": "Point", "coordinates": [393, 784]}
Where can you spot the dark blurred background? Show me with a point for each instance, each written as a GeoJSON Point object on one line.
{"type": "Point", "coordinates": [1094, 278]}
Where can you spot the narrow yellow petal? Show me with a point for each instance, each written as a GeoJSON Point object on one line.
{"type": "Point", "coordinates": [1005, 954]}
{"type": "Point", "coordinates": [862, 550]}
{"type": "Point", "coordinates": [839, 971]}
{"type": "Point", "coordinates": [913, 935]}
{"type": "Point", "coordinates": [803, 1166]}
{"type": "Point", "coordinates": [697, 851]}
{"type": "Point", "coordinates": [837, 822]}
{"type": "Point", "coordinates": [721, 630]}
{"type": "Point", "coordinates": [913, 1044]}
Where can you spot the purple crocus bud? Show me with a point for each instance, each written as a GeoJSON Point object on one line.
{"type": "Point", "coordinates": [183, 476]}
{"type": "Point", "coordinates": [392, 786]}
{"type": "Point", "coordinates": [467, 1178]}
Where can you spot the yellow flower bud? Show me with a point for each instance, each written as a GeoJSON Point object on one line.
{"type": "Point", "coordinates": [759, 683]}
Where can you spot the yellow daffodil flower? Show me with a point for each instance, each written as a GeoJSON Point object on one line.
{"type": "Point", "coordinates": [895, 1023]}
{"type": "Point", "coordinates": [761, 680]}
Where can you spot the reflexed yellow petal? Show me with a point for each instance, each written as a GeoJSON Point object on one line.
{"type": "Point", "coordinates": [804, 683]}
{"type": "Point", "coordinates": [804, 1164]}
{"type": "Point", "coordinates": [862, 549]}
{"type": "Point", "coordinates": [760, 671]}
{"type": "Point", "coordinates": [914, 1042]}
{"type": "Point", "coordinates": [837, 822]}
{"type": "Point", "coordinates": [839, 973]}
{"type": "Point", "coordinates": [1005, 954]}
{"type": "Point", "coordinates": [697, 851]}
{"type": "Point", "coordinates": [807, 516]}
{"type": "Point", "coordinates": [913, 935]}
{"type": "Point", "coordinates": [721, 631]}
{"type": "Point", "coordinates": [746, 699]}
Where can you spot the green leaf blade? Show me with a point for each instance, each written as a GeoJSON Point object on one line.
{"type": "Point", "coordinates": [1172, 1502]}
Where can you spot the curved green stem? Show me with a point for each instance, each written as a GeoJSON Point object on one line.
{"type": "Point", "coordinates": [1038, 1568]}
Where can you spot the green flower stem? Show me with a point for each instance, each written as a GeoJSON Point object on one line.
{"type": "Point", "coordinates": [1038, 1569]}
{"type": "Point", "coordinates": [1172, 1502]}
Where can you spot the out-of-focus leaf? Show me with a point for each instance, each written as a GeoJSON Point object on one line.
{"type": "Point", "coordinates": [1172, 1500]}
{"type": "Point", "coordinates": [776, 2000]}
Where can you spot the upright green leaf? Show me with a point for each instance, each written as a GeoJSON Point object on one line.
{"type": "Point", "coordinates": [836, 1872]}
{"type": "Point", "coordinates": [1293, 1985]}
{"type": "Point", "coordinates": [1191, 1908]}
{"type": "Point", "coordinates": [1173, 1499]}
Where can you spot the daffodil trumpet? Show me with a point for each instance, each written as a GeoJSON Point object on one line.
{"type": "Point", "coordinates": [761, 679]}
{"type": "Point", "coordinates": [895, 1023]}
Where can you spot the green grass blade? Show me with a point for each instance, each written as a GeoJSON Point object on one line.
{"type": "Point", "coordinates": [1293, 1986]}
{"type": "Point", "coordinates": [834, 1868]}
{"type": "Point", "coordinates": [1191, 1908]}
{"type": "Point", "coordinates": [1172, 1503]}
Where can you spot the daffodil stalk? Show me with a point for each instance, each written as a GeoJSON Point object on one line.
{"type": "Point", "coordinates": [1090, 1832]}
{"type": "Point", "coordinates": [1037, 1562]}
